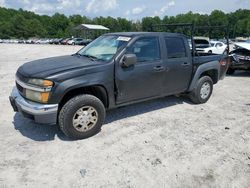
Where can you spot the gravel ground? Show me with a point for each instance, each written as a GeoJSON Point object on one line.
{"type": "Point", "coordinates": [161, 143]}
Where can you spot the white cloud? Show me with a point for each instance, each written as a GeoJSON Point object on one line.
{"type": "Point", "coordinates": [127, 13]}
{"type": "Point", "coordinates": [95, 6]}
{"type": "Point", "coordinates": [164, 9]}
{"type": "Point", "coordinates": [66, 4]}
{"type": "Point", "coordinates": [171, 3]}
{"type": "Point", "coordinates": [26, 2]}
{"type": "Point", "coordinates": [138, 10]}
{"type": "Point", "coordinates": [48, 7]}
{"type": "Point", "coordinates": [2, 3]}
{"type": "Point", "coordinates": [42, 8]}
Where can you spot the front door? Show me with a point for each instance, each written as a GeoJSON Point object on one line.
{"type": "Point", "coordinates": [145, 78]}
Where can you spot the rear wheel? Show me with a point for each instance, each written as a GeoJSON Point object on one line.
{"type": "Point", "coordinates": [82, 117]}
{"type": "Point", "coordinates": [202, 90]}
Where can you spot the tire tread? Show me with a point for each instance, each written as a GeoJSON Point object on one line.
{"type": "Point", "coordinates": [69, 105]}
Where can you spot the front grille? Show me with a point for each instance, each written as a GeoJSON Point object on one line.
{"type": "Point", "coordinates": [20, 88]}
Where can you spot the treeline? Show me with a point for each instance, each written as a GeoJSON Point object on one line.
{"type": "Point", "coordinates": [26, 24]}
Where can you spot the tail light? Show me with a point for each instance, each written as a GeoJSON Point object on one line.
{"type": "Point", "coordinates": [223, 62]}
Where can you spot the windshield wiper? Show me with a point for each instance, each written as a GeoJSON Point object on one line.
{"type": "Point", "coordinates": [93, 58]}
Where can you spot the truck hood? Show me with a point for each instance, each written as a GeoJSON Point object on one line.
{"type": "Point", "coordinates": [51, 66]}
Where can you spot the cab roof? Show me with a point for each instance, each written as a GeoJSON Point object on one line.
{"type": "Point", "coordinates": [133, 34]}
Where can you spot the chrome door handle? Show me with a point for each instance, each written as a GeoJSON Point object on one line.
{"type": "Point", "coordinates": [185, 64]}
{"type": "Point", "coordinates": [159, 69]}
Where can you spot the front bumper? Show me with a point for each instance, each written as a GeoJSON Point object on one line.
{"type": "Point", "coordinates": [40, 113]}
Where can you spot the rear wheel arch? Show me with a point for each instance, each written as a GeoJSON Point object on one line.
{"type": "Point", "coordinates": [212, 73]}
{"type": "Point", "coordinates": [210, 69]}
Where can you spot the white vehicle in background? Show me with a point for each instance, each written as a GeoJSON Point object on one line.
{"type": "Point", "coordinates": [217, 47]}
{"type": "Point", "coordinates": [203, 45]}
{"type": "Point", "coordinates": [42, 41]}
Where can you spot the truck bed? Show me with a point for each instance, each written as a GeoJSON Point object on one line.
{"type": "Point", "coordinates": [204, 58]}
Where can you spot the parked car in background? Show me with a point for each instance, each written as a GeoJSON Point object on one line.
{"type": "Point", "coordinates": [52, 41]}
{"type": "Point", "coordinates": [1, 41]}
{"type": "Point", "coordinates": [201, 43]}
{"type": "Point", "coordinates": [57, 41]}
{"type": "Point", "coordinates": [204, 45]}
{"type": "Point", "coordinates": [65, 41]}
{"type": "Point", "coordinates": [13, 41]}
{"type": "Point", "coordinates": [240, 57]}
{"type": "Point", "coordinates": [42, 41]}
{"type": "Point", "coordinates": [217, 47]}
{"type": "Point", "coordinates": [79, 41]}
{"type": "Point", "coordinates": [21, 41]}
{"type": "Point", "coordinates": [86, 41]}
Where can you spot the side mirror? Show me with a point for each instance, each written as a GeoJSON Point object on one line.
{"type": "Point", "coordinates": [128, 60]}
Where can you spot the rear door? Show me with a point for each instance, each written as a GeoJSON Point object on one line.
{"type": "Point", "coordinates": [178, 63]}
{"type": "Point", "coordinates": [145, 78]}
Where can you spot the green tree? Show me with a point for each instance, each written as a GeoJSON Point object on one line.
{"type": "Point", "coordinates": [24, 24]}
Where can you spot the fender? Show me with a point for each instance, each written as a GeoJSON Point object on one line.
{"type": "Point", "coordinates": [212, 65]}
{"type": "Point", "coordinates": [96, 79]}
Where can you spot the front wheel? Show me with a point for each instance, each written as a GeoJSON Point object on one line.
{"type": "Point", "coordinates": [82, 117]}
{"type": "Point", "coordinates": [202, 90]}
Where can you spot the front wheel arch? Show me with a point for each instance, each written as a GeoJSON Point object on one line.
{"type": "Point", "coordinates": [98, 91]}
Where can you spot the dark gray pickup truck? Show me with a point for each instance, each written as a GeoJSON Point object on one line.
{"type": "Point", "coordinates": [116, 69]}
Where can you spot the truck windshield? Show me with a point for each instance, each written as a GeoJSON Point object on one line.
{"type": "Point", "coordinates": [104, 48]}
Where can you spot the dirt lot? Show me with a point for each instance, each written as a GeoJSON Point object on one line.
{"type": "Point", "coordinates": [162, 143]}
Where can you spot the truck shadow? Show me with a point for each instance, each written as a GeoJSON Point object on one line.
{"type": "Point", "coordinates": [144, 107]}
{"type": "Point", "coordinates": [240, 74]}
{"type": "Point", "coordinates": [38, 132]}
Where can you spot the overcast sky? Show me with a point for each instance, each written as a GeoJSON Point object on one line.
{"type": "Point", "coordinates": [131, 9]}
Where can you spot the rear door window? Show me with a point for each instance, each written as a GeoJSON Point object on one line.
{"type": "Point", "coordinates": [175, 47]}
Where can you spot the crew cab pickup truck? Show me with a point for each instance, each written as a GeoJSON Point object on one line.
{"type": "Point", "coordinates": [116, 69]}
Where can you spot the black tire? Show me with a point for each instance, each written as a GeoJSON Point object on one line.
{"type": "Point", "coordinates": [195, 95]}
{"type": "Point", "coordinates": [210, 52]}
{"type": "Point", "coordinates": [69, 110]}
{"type": "Point", "coordinates": [230, 71]}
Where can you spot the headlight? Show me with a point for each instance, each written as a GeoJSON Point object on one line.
{"type": "Point", "coordinates": [37, 96]}
{"type": "Point", "coordinates": [40, 82]}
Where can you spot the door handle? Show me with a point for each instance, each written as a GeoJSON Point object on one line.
{"type": "Point", "coordinates": [159, 69]}
{"type": "Point", "coordinates": [185, 64]}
